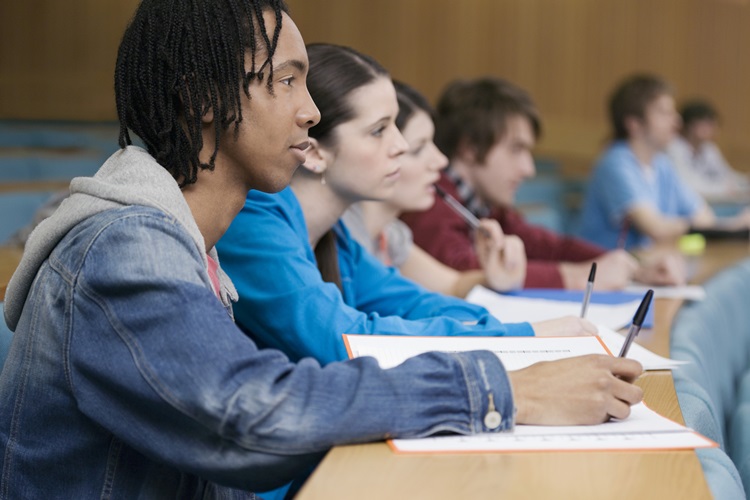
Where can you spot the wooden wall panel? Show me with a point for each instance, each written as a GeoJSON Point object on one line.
{"type": "Point", "coordinates": [56, 58]}
{"type": "Point", "coordinates": [569, 54]}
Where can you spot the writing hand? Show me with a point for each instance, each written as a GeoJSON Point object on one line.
{"type": "Point", "coordinates": [583, 390]}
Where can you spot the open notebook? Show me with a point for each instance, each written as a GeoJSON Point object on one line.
{"type": "Point", "coordinates": [643, 430]}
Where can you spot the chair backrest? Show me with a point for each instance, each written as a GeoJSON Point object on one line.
{"type": "Point", "coordinates": [714, 388]}
{"type": "Point", "coordinates": [714, 335]}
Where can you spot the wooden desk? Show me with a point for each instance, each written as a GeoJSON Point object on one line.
{"type": "Point", "coordinates": [9, 259]}
{"type": "Point", "coordinates": [372, 471]}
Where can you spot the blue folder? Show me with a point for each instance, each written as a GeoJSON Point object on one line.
{"type": "Point", "coordinates": [577, 296]}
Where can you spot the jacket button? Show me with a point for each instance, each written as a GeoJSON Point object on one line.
{"type": "Point", "coordinates": [493, 419]}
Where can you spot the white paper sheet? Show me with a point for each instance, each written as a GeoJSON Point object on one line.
{"type": "Point", "coordinates": [648, 359]}
{"type": "Point", "coordinates": [644, 429]}
{"type": "Point", "coordinates": [515, 352]}
{"type": "Point", "coordinates": [517, 309]}
{"type": "Point", "coordinates": [510, 309]}
{"type": "Point", "coordinates": [687, 292]}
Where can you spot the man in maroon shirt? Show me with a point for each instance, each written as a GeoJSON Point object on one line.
{"type": "Point", "coordinates": [487, 127]}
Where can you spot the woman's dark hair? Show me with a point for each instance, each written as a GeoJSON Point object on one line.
{"type": "Point", "coordinates": [475, 113]}
{"type": "Point", "coordinates": [177, 61]}
{"type": "Point", "coordinates": [410, 100]}
{"type": "Point", "coordinates": [335, 72]}
{"type": "Point", "coordinates": [631, 98]}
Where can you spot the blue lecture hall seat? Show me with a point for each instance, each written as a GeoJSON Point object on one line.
{"type": "Point", "coordinates": [100, 137]}
{"type": "Point", "coordinates": [541, 198]}
{"type": "Point", "coordinates": [714, 388]}
{"type": "Point", "coordinates": [35, 156]}
{"type": "Point", "coordinates": [18, 209]}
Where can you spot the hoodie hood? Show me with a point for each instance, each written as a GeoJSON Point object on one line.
{"type": "Point", "coordinates": [129, 177]}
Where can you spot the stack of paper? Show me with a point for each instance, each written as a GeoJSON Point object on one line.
{"type": "Point", "coordinates": [517, 309]}
{"type": "Point", "coordinates": [606, 316]}
{"type": "Point", "coordinates": [643, 430]}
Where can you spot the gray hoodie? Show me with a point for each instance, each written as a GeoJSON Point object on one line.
{"type": "Point", "coordinates": [129, 177]}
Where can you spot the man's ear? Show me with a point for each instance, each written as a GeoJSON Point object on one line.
{"type": "Point", "coordinates": [633, 125]}
{"type": "Point", "coordinates": [317, 157]}
{"type": "Point", "coordinates": [208, 116]}
{"type": "Point", "coordinates": [466, 153]}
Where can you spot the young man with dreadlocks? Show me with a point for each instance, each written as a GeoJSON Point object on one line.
{"type": "Point", "coordinates": [127, 377]}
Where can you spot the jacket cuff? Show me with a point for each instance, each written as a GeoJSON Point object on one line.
{"type": "Point", "coordinates": [490, 392]}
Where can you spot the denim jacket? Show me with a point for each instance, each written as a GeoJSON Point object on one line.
{"type": "Point", "coordinates": [127, 377]}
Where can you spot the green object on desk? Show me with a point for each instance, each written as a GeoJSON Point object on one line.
{"type": "Point", "coordinates": [692, 244]}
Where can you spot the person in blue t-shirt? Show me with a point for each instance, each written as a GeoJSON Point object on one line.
{"type": "Point", "coordinates": [302, 280]}
{"type": "Point", "coordinates": [635, 198]}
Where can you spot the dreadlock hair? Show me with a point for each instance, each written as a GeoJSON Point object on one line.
{"type": "Point", "coordinates": [631, 98]}
{"type": "Point", "coordinates": [475, 113]}
{"type": "Point", "coordinates": [180, 59]}
{"type": "Point", "coordinates": [335, 72]}
{"type": "Point", "coordinates": [410, 100]}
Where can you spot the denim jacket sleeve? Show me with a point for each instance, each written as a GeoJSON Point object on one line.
{"type": "Point", "coordinates": [285, 303]}
{"type": "Point", "coordinates": [154, 358]}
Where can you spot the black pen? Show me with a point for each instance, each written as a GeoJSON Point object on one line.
{"type": "Point", "coordinates": [589, 288]}
{"type": "Point", "coordinates": [461, 210]}
{"type": "Point", "coordinates": [640, 315]}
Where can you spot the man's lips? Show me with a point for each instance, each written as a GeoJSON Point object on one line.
{"type": "Point", "coordinates": [302, 146]}
{"type": "Point", "coordinates": [299, 151]}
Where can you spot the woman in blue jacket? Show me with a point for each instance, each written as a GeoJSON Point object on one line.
{"type": "Point", "coordinates": [302, 280]}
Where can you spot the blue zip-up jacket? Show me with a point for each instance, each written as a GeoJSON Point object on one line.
{"type": "Point", "coordinates": [284, 302]}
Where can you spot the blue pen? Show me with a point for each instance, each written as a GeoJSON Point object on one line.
{"type": "Point", "coordinates": [640, 315]}
{"type": "Point", "coordinates": [589, 289]}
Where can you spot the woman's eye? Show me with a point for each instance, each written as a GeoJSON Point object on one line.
{"type": "Point", "coordinates": [287, 81]}
{"type": "Point", "coordinates": [378, 132]}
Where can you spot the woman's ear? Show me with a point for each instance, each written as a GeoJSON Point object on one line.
{"type": "Point", "coordinates": [316, 157]}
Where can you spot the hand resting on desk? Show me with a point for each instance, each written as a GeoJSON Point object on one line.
{"type": "Point", "coordinates": [662, 268]}
{"type": "Point", "coordinates": [583, 390]}
{"type": "Point", "coordinates": [616, 270]}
